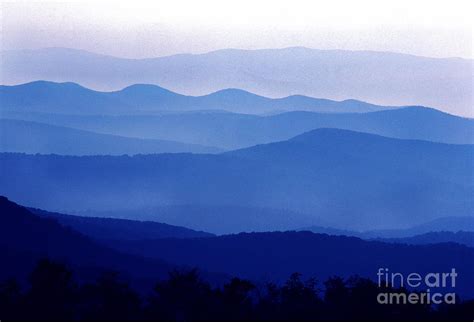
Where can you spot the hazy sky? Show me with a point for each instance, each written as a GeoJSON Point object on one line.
{"type": "Point", "coordinates": [139, 29]}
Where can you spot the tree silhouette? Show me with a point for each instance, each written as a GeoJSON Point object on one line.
{"type": "Point", "coordinates": [52, 295]}
{"type": "Point", "coordinates": [109, 299]}
{"type": "Point", "coordinates": [10, 299]}
{"type": "Point", "coordinates": [336, 297]}
{"type": "Point", "coordinates": [184, 296]}
{"type": "Point", "coordinates": [299, 299]}
{"type": "Point", "coordinates": [236, 300]}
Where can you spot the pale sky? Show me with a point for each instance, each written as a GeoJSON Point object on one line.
{"type": "Point", "coordinates": [138, 29]}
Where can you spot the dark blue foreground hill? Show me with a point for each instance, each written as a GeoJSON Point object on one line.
{"type": "Point", "coordinates": [273, 256]}
{"type": "Point", "coordinates": [261, 257]}
{"type": "Point", "coordinates": [26, 238]}
{"type": "Point", "coordinates": [114, 228]}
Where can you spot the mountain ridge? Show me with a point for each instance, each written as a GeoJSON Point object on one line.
{"type": "Point", "coordinates": [272, 256]}
{"type": "Point", "coordinates": [337, 176]}
{"type": "Point", "coordinates": [230, 130]}
{"type": "Point", "coordinates": [34, 137]}
{"type": "Point", "coordinates": [303, 48]}
{"type": "Point", "coordinates": [151, 97]}
{"type": "Point", "coordinates": [102, 228]}
{"type": "Point", "coordinates": [26, 238]}
{"type": "Point", "coordinates": [336, 75]}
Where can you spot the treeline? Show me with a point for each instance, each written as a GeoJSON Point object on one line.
{"type": "Point", "coordinates": [54, 294]}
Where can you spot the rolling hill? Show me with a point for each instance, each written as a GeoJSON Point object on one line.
{"type": "Point", "coordinates": [232, 130]}
{"type": "Point", "coordinates": [441, 230]}
{"type": "Point", "coordinates": [460, 237]}
{"type": "Point", "coordinates": [450, 224]}
{"type": "Point", "coordinates": [352, 180]}
{"type": "Point", "coordinates": [216, 219]}
{"type": "Point", "coordinates": [33, 137]}
{"type": "Point", "coordinates": [261, 257]}
{"type": "Point", "coordinates": [25, 238]}
{"type": "Point", "coordinates": [381, 77]}
{"type": "Point", "coordinates": [274, 256]}
{"type": "Point", "coordinates": [71, 98]}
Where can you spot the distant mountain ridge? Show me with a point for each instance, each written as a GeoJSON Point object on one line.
{"type": "Point", "coordinates": [33, 137]}
{"type": "Point", "coordinates": [71, 98]}
{"type": "Point", "coordinates": [339, 176]}
{"type": "Point", "coordinates": [460, 237]}
{"type": "Point", "coordinates": [381, 77]}
{"type": "Point", "coordinates": [451, 224]}
{"type": "Point", "coordinates": [204, 120]}
{"type": "Point", "coordinates": [216, 219]}
{"type": "Point", "coordinates": [441, 230]}
{"type": "Point", "coordinates": [455, 230]}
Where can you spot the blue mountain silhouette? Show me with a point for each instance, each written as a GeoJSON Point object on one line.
{"type": "Point", "coordinates": [210, 127]}
{"type": "Point", "coordinates": [460, 237]}
{"type": "Point", "coordinates": [336, 74]}
{"type": "Point", "coordinates": [100, 228]}
{"type": "Point", "coordinates": [25, 237]}
{"type": "Point", "coordinates": [354, 180]}
{"type": "Point", "coordinates": [33, 137]}
{"type": "Point", "coordinates": [273, 256]}
{"type": "Point", "coordinates": [70, 98]}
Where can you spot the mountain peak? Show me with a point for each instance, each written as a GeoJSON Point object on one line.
{"type": "Point", "coordinates": [331, 133]}
{"type": "Point", "coordinates": [145, 89]}
{"type": "Point", "coordinates": [234, 93]}
{"type": "Point", "coordinates": [49, 85]}
{"type": "Point", "coordinates": [50, 89]}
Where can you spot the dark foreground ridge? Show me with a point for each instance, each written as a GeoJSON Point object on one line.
{"type": "Point", "coordinates": [53, 272]}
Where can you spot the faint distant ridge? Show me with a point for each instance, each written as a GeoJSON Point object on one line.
{"type": "Point", "coordinates": [292, 49]}
{"type": "Point", "coordinates": [381, 77]}
{"type": "Point", "coordinates": [459, 237]}
{"type": "Point", "coordinates": [440, 230]}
